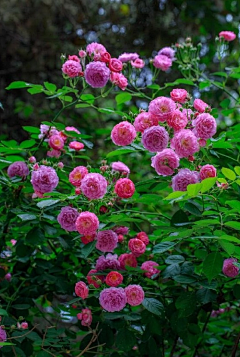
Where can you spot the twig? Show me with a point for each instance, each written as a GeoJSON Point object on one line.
{"type": "Point", "coordinates": [25, 334]}
{"type": "Point", "coordinates": [174, 347]}
{"type": "Point", "coordinates": [93, 339]}
{"type": "Point", "coordinates": [235, 347]}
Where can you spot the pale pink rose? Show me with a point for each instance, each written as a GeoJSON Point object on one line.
{"type": "Point", "coordinates": [144, 120]}
{"type": "Point", "coordinates": [54, 153]}
{"type": "Point", "coordinates": [127, 259]}
{"type": "Point", "coordinates": [94, 186]}
{"type": "Point", "coordinates": [114, 278]}
{"type": "Point", "coordinates": [229, 269]}
{"type": "Point", "coordinates": [60, 165]}
{"type": "Point", "coordinates": [18, 168]}
{"type": "Point", "coordinates": [45, 179]}
{"type": "Point", "coordinates": [124, 188]}
{"type": "Point", "coordinates": [13, 241]}
{"type": "Point", "coordinates": [82, 54]}
{"type": "Point", "coordinates": [76, 145]}
{"type": "Point", "coordinates": [72, 128]}
{"type": "Point", "coordinates": [184, 178]}
{"type": "Point", "coordinates": [123, 134]}
{"type": "Point", "coordinates": [127, 57]}
{"type": "Point", "coordinates": [200, 105]}
{"type": "Point", "coordinates": [81, 290]}
{"type": "Point", "coordinates": [86, 317]}
{"type": "Point", "coordinates": [77, 174]}
{"type": "Point", "coordinates": [113, 299]}
{"type": "Point", "coordinates": [227, 35]}
{"type": "Point", "coordinates": [178, 120]}
{"type": "Point", "coordinates": [149, 267]}
{"type": "Point", "coordinates": [72, 68]}
{"type": "Point", "coordinates": [184, 143]}
{"type": "Point", "coordinates": [138, 63]}
{"type": "Point", "coordinates": [120, 167]}
{"type": "Point", "coordinates": [143, 237]}
{"type": "Point", "coordinates": [179, 95]}
{"type": "Point", "coordinates": [24, 325]}
{"type": "Point", "coordinates": [155, 138]}
{"type": "Point", "coordinates": [32, 160]}
{"type": "Point", "coordinates": [119, 80]}
{"type": "Point", "coordinates": [136, 246]}
{"type": "Point", "coordinates": [67, 218]}
{"type": "Point", "coordinates": [97, 74]}
{"type": "Point", "coordinates": [162, 62]}
{"type": "Point", "coordinates": [115, 65]}
{"type": "Point", "coordinates": [87, 223]}
{"type": "Point", "coordinates": [134, 294]}
{"type": "Point", "coordinates": [93, 279]}
{"type": "Point", "coordinates": [95, 48]}
{"type": "Point", "coordinates": [165, 162]}
{"type": "Point", "coordinates": [208, 171]}
{"type": "Point", "coordinates": [106, 241]}
{"type": "Point", "coordinates": [162, 108]}
{"type": "Point", "coordinates": [108, 262]}
{"type": "Point", "coordinates": [205, 126]}
{"type": "Point", "coordinates": [167, 51]}
{"type": "Point", "coordinates": [56, 142]}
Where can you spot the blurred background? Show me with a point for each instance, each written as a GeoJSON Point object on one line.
{"type": "Point", "coordinates": [34, 33]}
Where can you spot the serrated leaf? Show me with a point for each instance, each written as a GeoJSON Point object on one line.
{"type": "Point", "coordinates": [123, 98]}
{"type": "Point", "coordinates": [174, 259]}
{"type": "Point", "coordinates": [208, 183]}
{"type": "Point", "coordinates": [233, 224]}
{"type": "Point", "coordinates": [212, 265]}
{"type": "Point", "coordinates": [163, 247]}
{"type": "Point", "coordinates": [154, 306]}
{"type": "Point", "coordinates": [47, 203]}
{"type": "Point", "coordinates": [175, 194]}
{"type": "Point", "coordinates": [27, 216]}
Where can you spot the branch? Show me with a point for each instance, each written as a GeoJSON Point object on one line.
{"type": "Point", "coordinates": [235, 347]}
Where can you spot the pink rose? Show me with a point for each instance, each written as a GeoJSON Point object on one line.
{"type": "Point", "coordinates": [119, 80]}
{"type": "Point", "coordinates": [76, 145]}
{"type": "Point", "coordinates": [162, 108]}
{"type": "Point", "coordinates": [136, 246]}
{"type": "Point", "coordinates": [115, 65]}
{"type": "Point", "coordinates": [178, 120]}
{"type": "Point", "coordinates": [184, 143]}
{"type": "Point", "coordinates": [184, 178]}
{"type": "Point", "coordinates": [106, 241]}
{"type": "Point", "coordinates": [155, 138]}
{"type": "Point", "coordinates": [149, 267]}
{"type": "Point", "coordinates": [127, 259]}
{"type": "Point", "coordinates": [229, 269]}
{"type": "Point", "coordinates": [123, 134]}
{"type": "Point", "coordinates": [94, 186]}
{"type": "Point", "coordinates": [208, 171]}
{"type": "Point", "coordinates": [86, 317]}
{"type": "Point", "coordinates": [179, 95]}
{"type": "Point", "coordinates": [205, 126]}
{"type": "Point", "coordinates": [165, 162]}
{"type": "Point", "coordinates": [77, 174]}
{"type": "Point", "coordinates": [134, 294]}
{"type": "Point", "coordinates": [93, 279]}
{"type": "Point", "coordinates": [162, 62]}
{"type": "Point", "coordinates": [143, 237]}
{"type": "Point", "coordinates": [113, 299]}
{"type": "Point", "coordinates": [138, 63]}
{"type": "Point", "coordinates": [81, 290]}
{"type": "Point", "coordinates": [124, 188]}
{"type": "Point", "coordinates": [144, 120]}
{"type": "Point", "coordinates": [71, 68]}
{"type": "Point", "coordinates": [114, 278]}
{"type": "Point", "coordinates": [227, 35]}
{"type": "Point", "coordinates": [87, 223]}
{"type": "Point", "coordinates": [56, 142]}
{"type": "Point", "coordinates": [105, 57]}
{"type": "Point", "coordinates": [200, 105]}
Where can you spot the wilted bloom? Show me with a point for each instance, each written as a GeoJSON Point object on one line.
{"type": "Point", "coordinates": [77, 174]}
{"type": "Point", "coordinates": [18, 168]}
{"type": "Point", "coordinates": [134, 294]}
{"type": "Point", "coordinates": [124, 188]}
{"type": "Point", "coordinates": [205, 126]}
{"type": "Point", "coordinates": [227, 35]}
{"type": "Point", "coordinates": [76, 145]}
{"type": "Point", "coordinates": [119, 80]}
{"type": "Point", "coordinates": [72, 68]}
{"type": "Point", "coordinates": [81, 290]}
{"type": "Point", "coordinates": [127, 57]}
{"type": "Point", "coordinates": [127, 259]}
{"type": "Point", "coordinates": [136, 246]}
{"type": "Point", "coordinates": [120, 167]}
{"type": "Point", "coordinates": [123, 133]}
{"type": "Point", "coordinates": [106, 241]}
{"type": "Point", "coordinates": [165, 162]}
{"type": "Point", "coordinates": [87, 223]}
{"type": "Point", "coordinates": [155, 138]}
{"type": "Point", "coordinates": [184, 178]}
{"type": "Point", "coordinates": [162, 62]}
{"type": "Point", "coordinates": [86, 317]}
{"type": "Point", "coordinates": [149, 267]}
{"type": "Point", "coordinates": [94, 186]}
{"type": "Point", "coordinates": [185, 143]}
{"type": "Point", "coordinates": [114, 278]}
{"type": "Point", "coordinates": [167, 51]}
{"type": "Point", "coordinates": [208, 171]}
{"type": "Point", "coordinates": [143, 237]}
{"type": "Point", "coordinates": [144, 120]}
{"type": "Point", "coordinates": [138, 63]}
{"type": "Point", "coordinates": [115, 65]}
{"type": "Point", "coordinates": [162, 108]}
{"type": "Point", "coordinates": [200, 105]}
{"type": "Point", "coordinates": [95, 280]}
{"type": "Point", "coordinates": [3, 335]}
{"type": "Point", "coordinates": [113, 299]}
{"type": "Point", "coordinates": [67, 218]}
{"type": "Point", "coordinates": [229, 269]}
{"type": "Point", "coordinates": [97, 74]}
{"type": "Point", "coordinates": [45, 179]}
{"type": "Point", "coordinates": [121, 230]}
{"type": "Point", "coordinates": [108, 262]}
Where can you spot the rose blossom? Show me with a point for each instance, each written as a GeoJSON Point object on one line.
{"type": "Point", "coordinates": [123, 133]}
{"type": "Point", "coordinates": [114, 278]}
{"type": "Point", "coordinates": [178, 120]}
{"type": "Point", "coordinates": [119, 80]}
{"type": "Point", "coordinates": [86, 317]}
{"type": "Point", "coordinates": [134, 294]}
{"type": "Point", "coordinates": [113, 299]}
{"type": "Point", "coordinates": [167, 51]}
{"type": "Point", "coordinates": [95, 48]}
{"type": "Point", "coordinates": [108, 262]}
{"type": "Point", "coordinates": [127, 259]}
{"type": "Point", "coordinates": [229, 269]}
{"type": "Point", "coordinates": [77, 174]}
{"type": "Point", "coordinates": [72, 128]}
{"type": "Point", "coordinates": [188, 112]}
{"type": "Point", "coordinates": [115, 65]}
{"type": "Point", "coordinates": [136, 246]}
{"type": "Point", "coordinates": [184, 178]}
{"type": "Point", "coordinates": [138, 63]}
{"type": "Point", "coordinates": [127, 57]}
{"type": "Point", "coordinates": [82, 53]}
{"type": "Point", "coordinates": [121, 230]}
{"type": "Point", "coordinates": [32, 160]}
{"type": "Point", "coordinates": [162, 62]}
{"type": "Point", "coordinates": [208, 171]}
{"type": "Point", "coordinates": [200, 105]}
{"type": "Point", "coordinates": [54, 153]}
{"type": "Point", "coordinates": [81, 290]}
{"type": "Point", "coordinates": [74, 58]}
{"type": "Point", "coordinates": [97, 74]}
{"type": "Point", "coordinates": [105, 57]}
{"type": "Point", "coordinates": [120, 167]}
{"type": "Point", "coordinates": [76, 145]}
{"type": "Point", "coordinates": [162, 108]}
{"type": "Point", "coordinates": [3, 335]}
{"type": "Point", "coordinates": [106, 241]}
{"type": "Point", "coordinates": [124, 188]}
{"type": "Point", "coordinates": [8, 277]}
{"type": "Point", "coordinates": [67, 218]}
{"type": "Point", "coordinates": [93, 279]}
{"type": "Point", "coordinates": [24, 325]}
{"type": "Point", "coordinates": [45, 179]}
{"type": "Point", "coordinates": [179, 95]}
{"type": "Point", "coordinates": [56, 142]}
{"type": "Point", "coordinates": [18, 168]}
{"type": "Point", "coordinates": [205, 126]}
{"type": "Point", "coordinates": [87, 238]}
{"type": "Point", "coordinates": [149, 267]}
{"type": "Point", "coordinates": [165, 162]}
{"type": "Point", "coordinates": [94, 186]}
{"type": "Point", "coordinates": [155, 138]}
{"type": "Point", "coordinates": [184, 143]}
{"type": "Point", "coordinates": [144, 120]}
{"type": "Point", "coordinates": [87, 223]}
{"type": "Point", "coordinates": [227, 35]}
{"type": "Point", "coordinates": [71, 68]}
{"type": "Point", "coordinates": [143, 237]}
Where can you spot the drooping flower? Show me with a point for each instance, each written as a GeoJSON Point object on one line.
{"type": "Point", "coordinates": [106, 241]}
{"type": "Point", "coordinates": [184, 178]}
{"type": "Point", "coordinates": [94, 279]}
{"type": "Point", "coordinates": [127, 57]}
{"type": "Point", "coordinates": [136, 246]}
{"type": "Point", "coordinates": [167, 51]}
{"type": "Point", "coordinates": [97, 74]}
{"type": "Point", "coordinates": [134, 294]}
{"type": "Point", "coordinates": [162, 108]}
{"type": "Point", "coordinates": [71, 68]}
{"type": "Point", "coordinates": [86, 317]}
{"type": "Point", "coordinates": [18, 168]}
{"type": "Point", "coordinates": [124, 188]}
{"type": "Point", "coordinates": [81, 290]}
{"type": "Point", "coordinates": [67, 218]}
{"type": "Point", "coordinates": [87, 223]}
{"type": "Point", "coordinates": [162, 62]}
{"type": "Point", "coordinates": [77, 174]}
{"type": "Point", "coordinates": [45, 179]}
{"type": "Point", "coordinates": [144, 120]}
{"type": "Point", "coordinates": [120, 167]}
{"type": "Point", "coordinates": [127, 259]}
{"type": "Point", "coordinates": [165, 162]}
{"type": "Point", "coordinates": [114, 278]}
{"type": "Point", "coordinates": [178, 120]}
{"type": "Point", "coordinates": [94, 186]}
{"type": "Point", "coordinates": [227, 35]}
{"type": "Point", "coordinates": [229, 269]}
{"type": "Point", "coordinates": [149, 267]}
{"type": "Point", "coordinates": [155, 138]}
{"type": "Point", "coordinates": [113, 299]}
{"type": "Point", "coordinates": [123, 134]}
{"type": "Point", "coordinates": [108, 262]}
{"type": "Point", "coordinates": [205, 126]}
{"type": "Point", "coordinates": [184, 143]}
{"type": "Point", "coordinates": [207, 171]}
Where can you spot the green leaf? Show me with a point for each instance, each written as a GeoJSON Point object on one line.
{"type": "Point", "coordinates": [35, 236]}
{"type": "Point", "coordinates": [175, 194]}
{"type": "Point", "coordinates": [204, 84]}
{"type": "Point", "coordinates": [3, 312]}
{"type": "Point", "coordinates": [225, 103]}
{"type": "Point", "coordinates": [184, 81]}
{"type": "Point", "coordinates": [233, 224]}
{"type": "Point", "coordinates": [88, 248]}
{"type": "Point", "coordinates": [184, 279]}
{"type": "Point", "coordinates": [179, 218]}
{"type": "Point", "coordinates": [228, 173]}
{"type": "Point", "coordinates": [89, 98]}
{"type": "Point", "coordinates": [174, 259]}
{"type": "Point", "coordinates": [120, 152]}
{"type": "Point", "coordinates": [192, 208]}
{"type": "Point", "coordinates": [47, 203]}
{"type": "Point", "coordinates": [208, 183]}
{"type": "Point", "coordinates": [194, 189]}
{"type": "Point", "coordinates": [237, 170]}
{"type": "Point", "coordinates": [125, 340]}
{"type": "Point", "coordinates": [27, 216]}
{"type": "Point", "coordinates": [153, 305]}
{"type": "Point", "coordinates": [31, 129]}
{"type": "Point", "coordinates": [36, 89]}
{"type": "Point", "coordinates": [163, 247]}
{"type": "Point", "coordinates": [123, 98]}
{"type": "Point", "coordinates": [149, 199]}
{"type": "Point", "coordinates": [186, 303]}
{"type": "Point", "coordinates": [19, 84]}
{"type": "Point", "coordinates": [205, 295]}
{"type": "Point", "coordinates": [228, 247]}
{"type": "Point", "coordinates": [234, 204]}
{"type": "Point", "coordinates": [27, 144]}
{"type": "Point", "coordinates": [212, 265]}
{"type": "Point", "coordinates": [50, 86]}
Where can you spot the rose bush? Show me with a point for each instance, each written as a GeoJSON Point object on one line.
{"type": "Point", "coordinates": [94, 262]}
